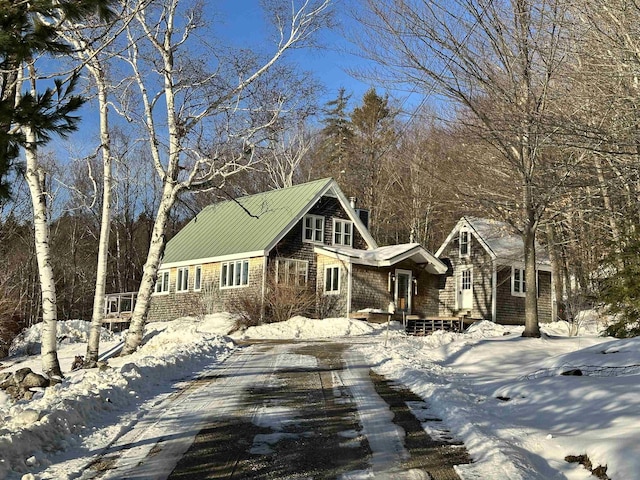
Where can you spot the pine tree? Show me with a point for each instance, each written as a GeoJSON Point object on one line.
{"type": "Point", "coordinates": [28, 29]}
{"type": "Point", "coordinates": [29, 117]}
{"type": "Point", "coordinates": [337, 137]}
{"type": "Point", "coordinates": [373, 141]}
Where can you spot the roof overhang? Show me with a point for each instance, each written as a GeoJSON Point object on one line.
{"type": "Point", "coordinates": [221, 258]}
{"type": "Point", "coordinates": [385, 256]}
{"type": "Point", "coordinates": [331, 189]}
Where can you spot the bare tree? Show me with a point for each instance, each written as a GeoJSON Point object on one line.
{"type": "Point", "coordinates": [91, 41]}
{"type": "Point", "coordinates": [213, 112]}
{"type": "Point", "coordinates": [286, 155]}
{"type": "Point", "coordinates": [499, 63]}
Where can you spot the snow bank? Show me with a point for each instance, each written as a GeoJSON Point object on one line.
{"type": "Point", "coordinates": [56, 418]}
{"type": "Point", "coordinates": [307, 328]}
{"type": "Point", "coordinates": [69, 331]}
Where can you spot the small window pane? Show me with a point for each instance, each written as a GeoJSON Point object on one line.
{"type": "Point", "coordinates": [197, 278]}
{"type": "Point", "coordinates": [245, 272]}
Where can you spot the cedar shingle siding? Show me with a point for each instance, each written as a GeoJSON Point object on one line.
{"type": "Point", "coordinates": [482, 268]}
{"type": "Point", "coordinates": [210, 299]}
{"type": "Point", "coordinates": [510, 309]}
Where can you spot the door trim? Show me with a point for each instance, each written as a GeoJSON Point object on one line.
{"type": "Point", "coordinates": [459, 299]}
{"type": "Point", "coordinates": [409, 273]}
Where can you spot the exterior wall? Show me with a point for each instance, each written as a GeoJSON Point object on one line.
{"type": "Point", "coordinates": [210, 299]}
{"type": "Point", "coordinates": [371, 289]}
{"type": "Point", "coordinates": [510, 309]}
{"type": "Point", "coordinates": [426, 302]}
{"type": "Point", "coordinates": [292, 246]}
{"type": "Point", "coordinates": [482, 280]}
{"type": "Point", "coordinates": [332, 304]}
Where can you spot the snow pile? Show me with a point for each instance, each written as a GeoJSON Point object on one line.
{"type": "Point", "coordinates": [506, 397]}
{"type": "Point", "coordinates": [307, 328]}
{"type": "Point", "coordinates": [69, 331]}
{"type": "Point", "coordinates": [56, 418]}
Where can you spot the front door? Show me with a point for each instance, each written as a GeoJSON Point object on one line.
{"type": "Point", "coordinates": [465, 289]}
{"type": "Point", "coordinates": [403, 291]}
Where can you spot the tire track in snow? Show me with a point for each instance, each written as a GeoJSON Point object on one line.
{"type": "Point", "coordinates": [386, 439]}
{"type": "Point", "coordinates": [167, 433]}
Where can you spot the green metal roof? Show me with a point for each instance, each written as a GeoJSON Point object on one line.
{"type": "Point", "coordinates": [247, 224]}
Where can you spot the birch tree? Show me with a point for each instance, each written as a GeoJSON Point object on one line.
{"type": "Point", "coordinates": [90, 42]}
{"type": "Point", "coordinates": [28, 31]}
{"type": "Point", "coordinates": [201, 113]}
{"type": "Point", "coordinates": [499, 64]}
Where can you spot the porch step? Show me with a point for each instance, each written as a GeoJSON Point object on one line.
{"type": "Point", "coordinates": [426, 326]}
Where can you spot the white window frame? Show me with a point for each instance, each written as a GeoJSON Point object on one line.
{"type": "Point", "coordinates": [298, 265]}
{"type": "Point", "coordinates": [232, 277]}
{"type": "Point", "coordinates": [317, 234]}
{"type": "Point", "coordinates": [467, 235]}
{"type": "Point", "coordinates": [520, 283]}
{"type": "Point", "coordinates": [340, 236]}
{"type": "Point", "coordinates": [334, 288]}
{"type": "Point", "coordinates": [162, 283]}
{"type": "Point", "coordinates": [197, 278]}
{"type": "Point", "coordinates": [182, 279]}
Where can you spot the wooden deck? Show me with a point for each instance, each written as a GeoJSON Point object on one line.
{"type": "Point", "coordinates": [373, 317]}
{"type": "Point", "coordinates": [426, 326]}
{"type": "Point", "coordinates": [118, 308]}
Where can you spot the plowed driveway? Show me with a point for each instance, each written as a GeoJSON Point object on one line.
{"type": "Point", "coordinates": [295, 410]}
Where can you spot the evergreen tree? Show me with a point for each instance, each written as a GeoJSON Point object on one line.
{"type": "Point", "coordinates": [620, 289]}
{"type": "Point", "coordinates": [373, 145]}
{"type": "Point", "coordinates": [337, 137]}
{"type": "Point", "coordinates": [28, 29]}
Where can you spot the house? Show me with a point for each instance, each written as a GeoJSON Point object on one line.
{"type": "Point", "coordinates": [309, 236]}
{"type": "Point", "coordinates": [485, 279]}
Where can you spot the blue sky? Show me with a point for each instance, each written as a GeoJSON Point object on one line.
{"type": "Point", "coordinates": [243, 22]}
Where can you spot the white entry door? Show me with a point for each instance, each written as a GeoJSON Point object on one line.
{"type": "Point", "coordinates": [403, 291]}
{"type": "Point", "coordinates": [465, 289]}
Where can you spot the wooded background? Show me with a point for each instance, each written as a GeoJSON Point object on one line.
{"type": "Point", "coordinates": [529, 114]}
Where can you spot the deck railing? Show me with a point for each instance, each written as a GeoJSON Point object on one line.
{"type": "Point", "coordinates": [118, 307]}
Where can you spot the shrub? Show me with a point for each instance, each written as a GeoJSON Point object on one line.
{"type": "Point", "coordinates": [281, 302]}
{"type": "Point", "coordinates": [620, 289]}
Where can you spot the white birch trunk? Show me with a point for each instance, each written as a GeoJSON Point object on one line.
{"type": "Point", "coordinates": [49, 355]}
{"type": "Point", "coordinates": [150, 272]}
{"type": "Point", "coordinates": [93, 346]}
{"type": "Point", "coordinates": [160, 38]}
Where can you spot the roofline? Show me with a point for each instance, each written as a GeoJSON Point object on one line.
{"type": "Point", "coordinates": [331, 185]}
{"type": "Point", "coordinates": [439, 266]}
{"type": "Point", "coordinates": [456, 229]}
{"type": "Point", "coordinates": [540, 265]}
{"type": "Point", "coordinates": [220, 258]}
{"type": "Point", "coordinates": [364, 231]}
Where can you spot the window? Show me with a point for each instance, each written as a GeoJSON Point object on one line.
{"type": "Point", "coordinates": [464, 243]}
{"type": "Point", "coordinates": [332, 279]}
{"type": "Point", "coordinates": [234, 274]}
{"type": "Point", "coordinates": [197, 278]}
{"type": "Point", "coordinates": [518, 287]}
{"type": "Point", "coordinates": [162, 283]}
{"type": "Point", "coordinates": [342, 232]}
{"type": "Point", "coordinates": [292, 272]}
{"type": "Point", "coordinates": [182, 284]}
{"type": "Point", "coordinates": [466, 280]}
{"type": "Point", "coordinates": [313, 229]}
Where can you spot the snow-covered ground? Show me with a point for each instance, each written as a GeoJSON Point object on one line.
{"type": "Point", "coordinates": [503, 395]}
